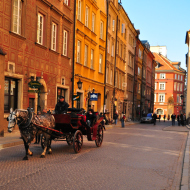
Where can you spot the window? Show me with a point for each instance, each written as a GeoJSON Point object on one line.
{"type": "Point", "coordinates": [112, 50]}
{"type": "Point", "coordinates": [116, 78]}
{"type": "Point", "coordinates": [85, 55]}
{"type": "Point", "coordinates": [109, 21]}
{"type": "Point", "coordinates": [178, 98]}
{"type": "Point", "coordinates": [155, 87]}
{"type": "Point", "coordinates": [178, 77]}
{"type": "Point", "coordinates": [108, 49]}
{"type": "Point", "coordinates": [79, 9]}
{"type": "Point", "coordinates": [17, 16]}
{"type": "Point", "coordinates": [181, 78]}
{"type": "Point", "coordinates": [161, 86]}
{"type": "Point", "coordinates": [120, 80]}
{"type": "Point", "coordinates": [40, 29]}
{"type": "Point", "coordinates": [123, 28]}
{"type": "Point", "coordinates": [181, 87]}
{"type": "Point", "coordinates": [93, 22]}
{"type": "Point", "coordinates": [65, 42]}
{"type": "Point", "coordinates": [155, 75]}
{"type": "Point", "coordinates": [78, 51]}
{"type": "Point", "coordinates": [54, 36]}
{"type": "Point", "coordinates": [139, 71]}
{"type": "Point", "coordinates": [107, 72]}
{"type": "Point", "coordinates": [121, 50]}
{"type": "Point", "coordinates": [86, 16]}
{"type": "Point", "coordinates": [66, 2]}
{"type": "Point", "coordinates": [101, 29]}
{"type": "Point", "coordinates": [92, 59]}
{"type": "Point", "coordinates": [10, 94]}
{"type": "Point", "coordinates": [160, 112]}
{"type": "Point", "coordinates": [161, 98]}
{"type": "Point", "coordinates": [175, 76]}
{"type": "Point", "coordinates": [113, 25]}
{"type": "Point", "coordinates": [111, 76]}
{"type": "Point", "coordinates": [144, 73]}
{"type": "Point", "coordinates": [117, 47]}
{"type": "Point", "coordinates": [139, 88]}
{"type": "Point", "coordinates": [154, 97]}
{"type": "Point", "coordinates": [178, 86]}
{"type": "Point", "coordinates": [100, 63]}
{"type": "Point", "coordinates": [175, 84]}
{"type": "Point", "coordinates": [162, 76]}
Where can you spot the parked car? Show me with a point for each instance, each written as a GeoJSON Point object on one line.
{"type": "Point", "coordinates": [147, 119]}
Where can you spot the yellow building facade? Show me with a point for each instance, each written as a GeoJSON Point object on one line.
{"type": "Point", "coordinates": [90, 46]}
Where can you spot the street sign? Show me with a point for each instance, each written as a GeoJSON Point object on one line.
{"type": "Point", "coordinates": [76, 98]}
{"type": "Point", "coordinates": [34, 84]}
{"type": "Point", "coordinates": [93, 97]}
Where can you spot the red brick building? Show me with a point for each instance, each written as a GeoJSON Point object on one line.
{"type": "Point", "coordinates": [169, 86]}
{"type": "Point", "coordinates": [37, 37]}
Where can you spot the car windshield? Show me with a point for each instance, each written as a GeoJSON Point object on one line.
{"type": "Point", "coordinates": [149, 115]}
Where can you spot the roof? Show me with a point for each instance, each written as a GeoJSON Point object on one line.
{"type": "Point", "coordinates": [165, 63]}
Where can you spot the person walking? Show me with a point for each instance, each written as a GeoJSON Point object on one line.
{"type": "Point", "coordinates": [173, 116]}
{"type": "Point", "coordinates": [122, 120]}
{"type": "Point", "coordinates": [181, 116]}
{"type": "Point", "coordinates": [184, 119]}
{"type": "Point", "coordinates": [154, 117]}
{"type": "Point", "coordinates": [115, 117]}
{"type": "Point", "coordinates": [164, 117]}
{"type": "Point", "coordinates": [179, 120]}
{"type": "Point", "coordinates": [168, 117]}
{"type": "Point", "coordinates": [159, 117]}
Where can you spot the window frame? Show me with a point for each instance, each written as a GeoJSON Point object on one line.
{"type": "Point", "coordinates": [54, 37]}
{"type": "Point", "coordinates": [101, 30]}
{"type": "Point", "coordinates": [162, 74]}
{"type": "Point", "coordinates": [87, 16]}
{"type": "Point", "coordinates": [86, 55]}
{"type": "Point", "coordinates": [100, 62]}
{"type": "Point", "coordinates": [93, 21]}
{"type": "Point", "coordinates": [65, 42]}
{"type": "Point", "coordinates": [79, 14]}
{"type": "Point", "coordinates": [159, 95]}
{"type": "Point", "coordinates": [92, 59]}
{"type": "Point", "coordinates": [78, 51]}
{"type": "Point", "coordinates": [42, 29]}
{"type": "Point", "coordinates": [164, 86]}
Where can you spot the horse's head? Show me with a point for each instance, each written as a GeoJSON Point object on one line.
{"type": "Point", "coordinates": [12, 120]}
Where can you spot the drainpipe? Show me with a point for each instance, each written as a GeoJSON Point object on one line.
{"type": "Point", "coordinates": [115, 61]}
{"type": "Point", "coordinates": [73, 51]}
{"type": "Point", "coordinates": [142, 84]}
{"type": "Point", "coordinates": [134, 81]}
{"type": "Point", "coordinates": [106, 55]}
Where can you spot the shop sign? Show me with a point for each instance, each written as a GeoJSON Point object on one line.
{"type": "Point", "coordinates": [76, 98]}
{"type": "Point", "coordinates": [93, 97]}
{"type": "Point", "coordinates": [34, 84]}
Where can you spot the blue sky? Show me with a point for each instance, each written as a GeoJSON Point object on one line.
{"type": "Point", "coordinates": [162, 22]}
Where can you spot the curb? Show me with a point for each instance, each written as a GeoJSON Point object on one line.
{"type": "Point", "coordinates": [11, 144]}
{"type": "Point", "coordinates": [184, 185]}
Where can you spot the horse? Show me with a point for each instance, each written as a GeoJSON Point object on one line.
{"type": "Point", "coordinates": [29, 125]}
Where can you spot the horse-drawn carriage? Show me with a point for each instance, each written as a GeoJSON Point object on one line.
{"type": "Point", "coordinates": [69, 127]}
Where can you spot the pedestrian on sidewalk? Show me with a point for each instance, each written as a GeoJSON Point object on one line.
{"type": "Point", "coordinates": [181, 116]}
{"type": "Point", "coordinates": [179, 120]}
{"type": "Point", "coordinates": [184, 119]}
{"type": "Point", "coordinates": [159, 117]}
{"type": "Point", "coordinates": [123, 120]}
{"type": "Point", "coordinates": [173, 116]}
{"type": "Point", "coordinates": [115, 117]}
{"type": "Point", "coordinates": [154, 117]}
{"type": "Point", "coordinates": [164, 117]}
{"type": "Point", "coordinates": [168, 117]}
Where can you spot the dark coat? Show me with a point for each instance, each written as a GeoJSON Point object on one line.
{"type": "Point", "coordinates": [154, 117]}
{"type": "Point", "coordinates": [173, 116]}
{"type": "Point", "coordinates": [115, 116]}
{"type": "Point", "coordinates": [61, 107]}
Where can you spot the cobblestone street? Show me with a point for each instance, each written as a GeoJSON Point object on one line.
{"type": "Point", "coordinates": [137, 157]}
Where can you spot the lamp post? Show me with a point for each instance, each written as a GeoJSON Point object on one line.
{"type": "Point", "coordinates": [79, 83]}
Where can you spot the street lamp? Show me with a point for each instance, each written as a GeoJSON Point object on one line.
{"type": "Point", "coordinates": [79, 83]}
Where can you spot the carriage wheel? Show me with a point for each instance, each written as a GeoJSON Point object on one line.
{"type": "Point", "coordinates": [99, 137]}
{"type": "Point", "coordinates": [77, 141]}
{"type": "Point", "coordinates": [69, 139]}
